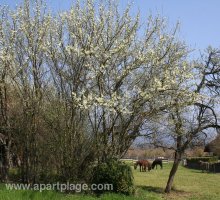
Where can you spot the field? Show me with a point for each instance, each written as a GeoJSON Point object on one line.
{"type": "Point", "coordinates": [189, 185]}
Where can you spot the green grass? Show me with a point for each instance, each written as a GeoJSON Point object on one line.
{"type": "Point", "coordinates": [188, 185]}
{"type": "Point", "coordinates": [49, 195]}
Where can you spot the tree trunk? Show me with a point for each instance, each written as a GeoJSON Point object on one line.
{"type": "Point", "coordinates": [173, 171]}
{"type": "Point", "coordinates": [5, 161]}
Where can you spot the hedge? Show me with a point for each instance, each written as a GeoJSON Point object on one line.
{"type": "Point", "coordinates": [193, 163]}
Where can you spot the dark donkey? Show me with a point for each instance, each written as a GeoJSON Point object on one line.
{"type": "Point", "coordinates": [144, 164]}
{"type": "Point", "coordinates": [157, 162]}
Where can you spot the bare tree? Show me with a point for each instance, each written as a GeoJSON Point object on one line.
{"type": "Point", "coordinates": [186, 125]}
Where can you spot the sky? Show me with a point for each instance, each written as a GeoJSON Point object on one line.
{"type": "Point", "coordinates": [199, 19]}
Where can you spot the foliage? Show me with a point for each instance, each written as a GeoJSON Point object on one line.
{"type": "Point", "coordinates": [116, 173]}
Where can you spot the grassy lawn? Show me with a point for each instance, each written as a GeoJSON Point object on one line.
{"type": "Point", "coordinates": [189, 184]}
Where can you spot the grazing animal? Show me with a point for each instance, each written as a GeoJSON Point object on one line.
{"type": "Point", "coordinates": [157, 162]}
{"type": "Point", "coordinates": [204, 165]}
{"type": "Point", "coordinates": [144, 164]}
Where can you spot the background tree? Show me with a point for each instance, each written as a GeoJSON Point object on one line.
{"type": "Point", "coordinates": [213, 146]}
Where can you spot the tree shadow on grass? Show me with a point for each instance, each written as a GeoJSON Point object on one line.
{"type": "Point", "coordinates": [201, 172]}
{"type": "Point", "coordinates": [160, 190]}
{"type": "Point", "coordinates": [157, 190]}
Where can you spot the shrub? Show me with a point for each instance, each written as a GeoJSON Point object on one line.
{"type": "Point", "coordinates": [213, 159]}
{"type": "Point", "coordinates": [116, 173]}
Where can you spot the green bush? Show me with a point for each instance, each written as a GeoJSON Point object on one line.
{"type": "Point", "coordinates": [116, 173]}
{"type": "Point", "coordinates": [213, 159]}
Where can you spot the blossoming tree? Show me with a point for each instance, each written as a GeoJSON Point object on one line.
{"type": "Point", "coordinates": [86, 82]}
